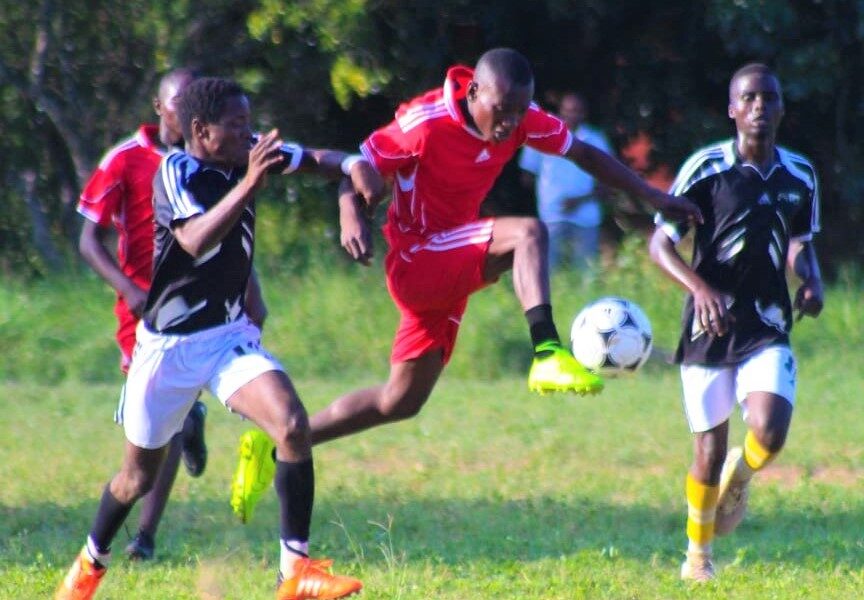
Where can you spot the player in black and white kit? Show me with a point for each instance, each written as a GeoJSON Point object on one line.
{"type": "Point", "coordinates": [760, 204]}
{"type": "Point", "coordinates": [195, 332]}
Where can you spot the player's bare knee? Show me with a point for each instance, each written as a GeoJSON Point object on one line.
{"type": "Point", "coordinates": [775, 441]}
{"type": "Point", "coordinates": [770, 436]}
{"type": "Point", "coordinates": [771, 427]}
{"type": "Point", "coordinates": [293, 432]}
{"type": "Point", "coordinates": [130, 485]}
{"type": "Point", "coordinates": [710, 452]}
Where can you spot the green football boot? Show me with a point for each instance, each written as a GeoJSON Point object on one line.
{"type": "Point", "coordinates": [254, 473]}
{"type": "Point", "coordinates": [555, 370]}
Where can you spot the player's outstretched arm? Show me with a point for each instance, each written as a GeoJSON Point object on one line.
{"type": "Point", "coordinates": [354, 229]}
{"type": "Point", "coordinates": [322, 161]}
{"type": "Point", "coordinates": [368, 183]}
{"type": "Point", "coordinates": [91, 245]}
{"type": "Point", "coordinates": [810, 297]}
{"type": "Point", "coordinates": [611, 172]}
{"type": "Point", "coordinates": [710, 306]}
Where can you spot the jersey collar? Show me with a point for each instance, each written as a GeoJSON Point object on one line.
{"type": "Point", "coordinates": [148, 137]}
{"type": "Point", "coordinates": [203, 165]}
{"type": "Point", "coordinates": [778, 161]}
{"type": "Point", "coordinates": [455, 90]}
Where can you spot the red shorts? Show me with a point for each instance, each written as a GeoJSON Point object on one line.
{"type": "Point", "coordinates": [430, 282]}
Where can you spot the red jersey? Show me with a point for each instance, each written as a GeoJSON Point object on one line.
{"type": "Point", "coordinates": [442, 168]}
{"type": "Point", "coordinates": [120, 191]}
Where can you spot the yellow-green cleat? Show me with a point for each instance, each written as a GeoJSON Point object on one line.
{"type": "Point", "coordinates": [254, 473]}
{"type": "Point", "coordinates": [555, 370]}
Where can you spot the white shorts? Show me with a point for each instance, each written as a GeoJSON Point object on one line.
{"type": "Point", "coordinates": [169, 371]}
{"type": "Point", "coordinates": [710, 393]}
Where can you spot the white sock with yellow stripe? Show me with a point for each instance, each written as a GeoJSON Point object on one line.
{"type": "Point", "coordinates": [701, 512]}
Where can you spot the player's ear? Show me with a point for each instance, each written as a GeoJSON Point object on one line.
{"type": "Point", "coordinates": [199, 129]}
{"type": "Point", "coordinates": [472, 91]}
{"type": "Point", "coordinates": [157, 106]}
{"type": "Point", "coordinates": [731, 112]}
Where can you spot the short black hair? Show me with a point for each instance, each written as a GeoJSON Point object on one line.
{"type": "Point", "coordinates": [508, 63]}
{"type": "Point", "coordinates": [205, 99]}
{"type": "Point", "coordinates": [749, 68]}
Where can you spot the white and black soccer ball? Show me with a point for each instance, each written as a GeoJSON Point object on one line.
{"type": "Point", "coordinates": [611, 336]}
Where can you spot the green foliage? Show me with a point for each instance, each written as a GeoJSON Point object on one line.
{"type": "Point", "coordinates": [348, 78]}
{"type": "Point", "coordinates": [296, 225]}
{"type": "Point", "coordinates": [76, 76]}
{"type": "Point", "coordinates": [339, 32]}
{"type": "Point", "coordinates": [333, 21]}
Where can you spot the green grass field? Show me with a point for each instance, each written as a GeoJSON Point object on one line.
{"type": "Point", "coordinates": [490, 493]}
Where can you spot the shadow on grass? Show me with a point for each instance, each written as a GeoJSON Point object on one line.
{"type": "Point", "coordinates": [444, 531]}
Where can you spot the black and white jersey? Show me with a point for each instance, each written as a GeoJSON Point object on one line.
{"type": "Point", "coordinates": [741, 248]}
{"type": "Point", "coordinates": [189, 294]}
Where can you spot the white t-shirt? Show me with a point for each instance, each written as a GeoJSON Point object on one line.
{"type": "Point", "coordinates": [558, 179]}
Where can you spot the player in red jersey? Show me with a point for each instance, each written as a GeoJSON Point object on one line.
{"type": "Point", "coordinates": [120, 193]}
{"type": "Point", "coordinates": [444, 151]}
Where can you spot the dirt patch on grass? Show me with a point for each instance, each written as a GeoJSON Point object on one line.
{"type": "Point", "coordinates": [841, 476]}
{"type": "Point", "coordinates": [783, 475]}
{"type": "Point", "coordinates": [793, 475]}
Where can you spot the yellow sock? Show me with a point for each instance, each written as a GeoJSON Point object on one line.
{"type": "Point", "coordinates": [756, 456]}
{"type": "Point", "coordinates": [701, 511]}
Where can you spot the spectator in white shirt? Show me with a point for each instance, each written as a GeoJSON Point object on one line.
{"type": "Point", "coordinates": [568, 198]}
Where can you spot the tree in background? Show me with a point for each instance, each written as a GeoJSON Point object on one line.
{"type": "Point", "coordinates": [327, 72]}
{"type": "Point", "coordinates": [75, 75]}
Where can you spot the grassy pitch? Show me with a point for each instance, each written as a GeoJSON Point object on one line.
{"type": "Point", "coordinates": [489, 493]}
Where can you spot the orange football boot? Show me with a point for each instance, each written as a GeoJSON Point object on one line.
{"type": "Point", "coordinates": [81, 581]}
{"type": "Point", "coordinates": [313, 581]}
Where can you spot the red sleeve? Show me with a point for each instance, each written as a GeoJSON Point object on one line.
{"type": "Point", "coordinates": [547, 133]}
{"type": "Point", "coordinates": [390, 147]}
{"type": "Point", "coordinates": [101, 196]}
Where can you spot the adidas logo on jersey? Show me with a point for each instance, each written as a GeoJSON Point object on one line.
{"type": "Point", "coordinates": [484, 155]}
{"type": "Point", "coordinates": [765, 200]}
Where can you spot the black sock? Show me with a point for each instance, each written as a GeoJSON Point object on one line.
{"type": "Point", "coordinates": [109, 517]}
{"type": "Point", "coordinates": [541, 324]}
{"type": "Point", "coordinates": [295, 486]}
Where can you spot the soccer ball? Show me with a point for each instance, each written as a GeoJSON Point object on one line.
{"type": "Point", "coordinates": [611, 336]}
